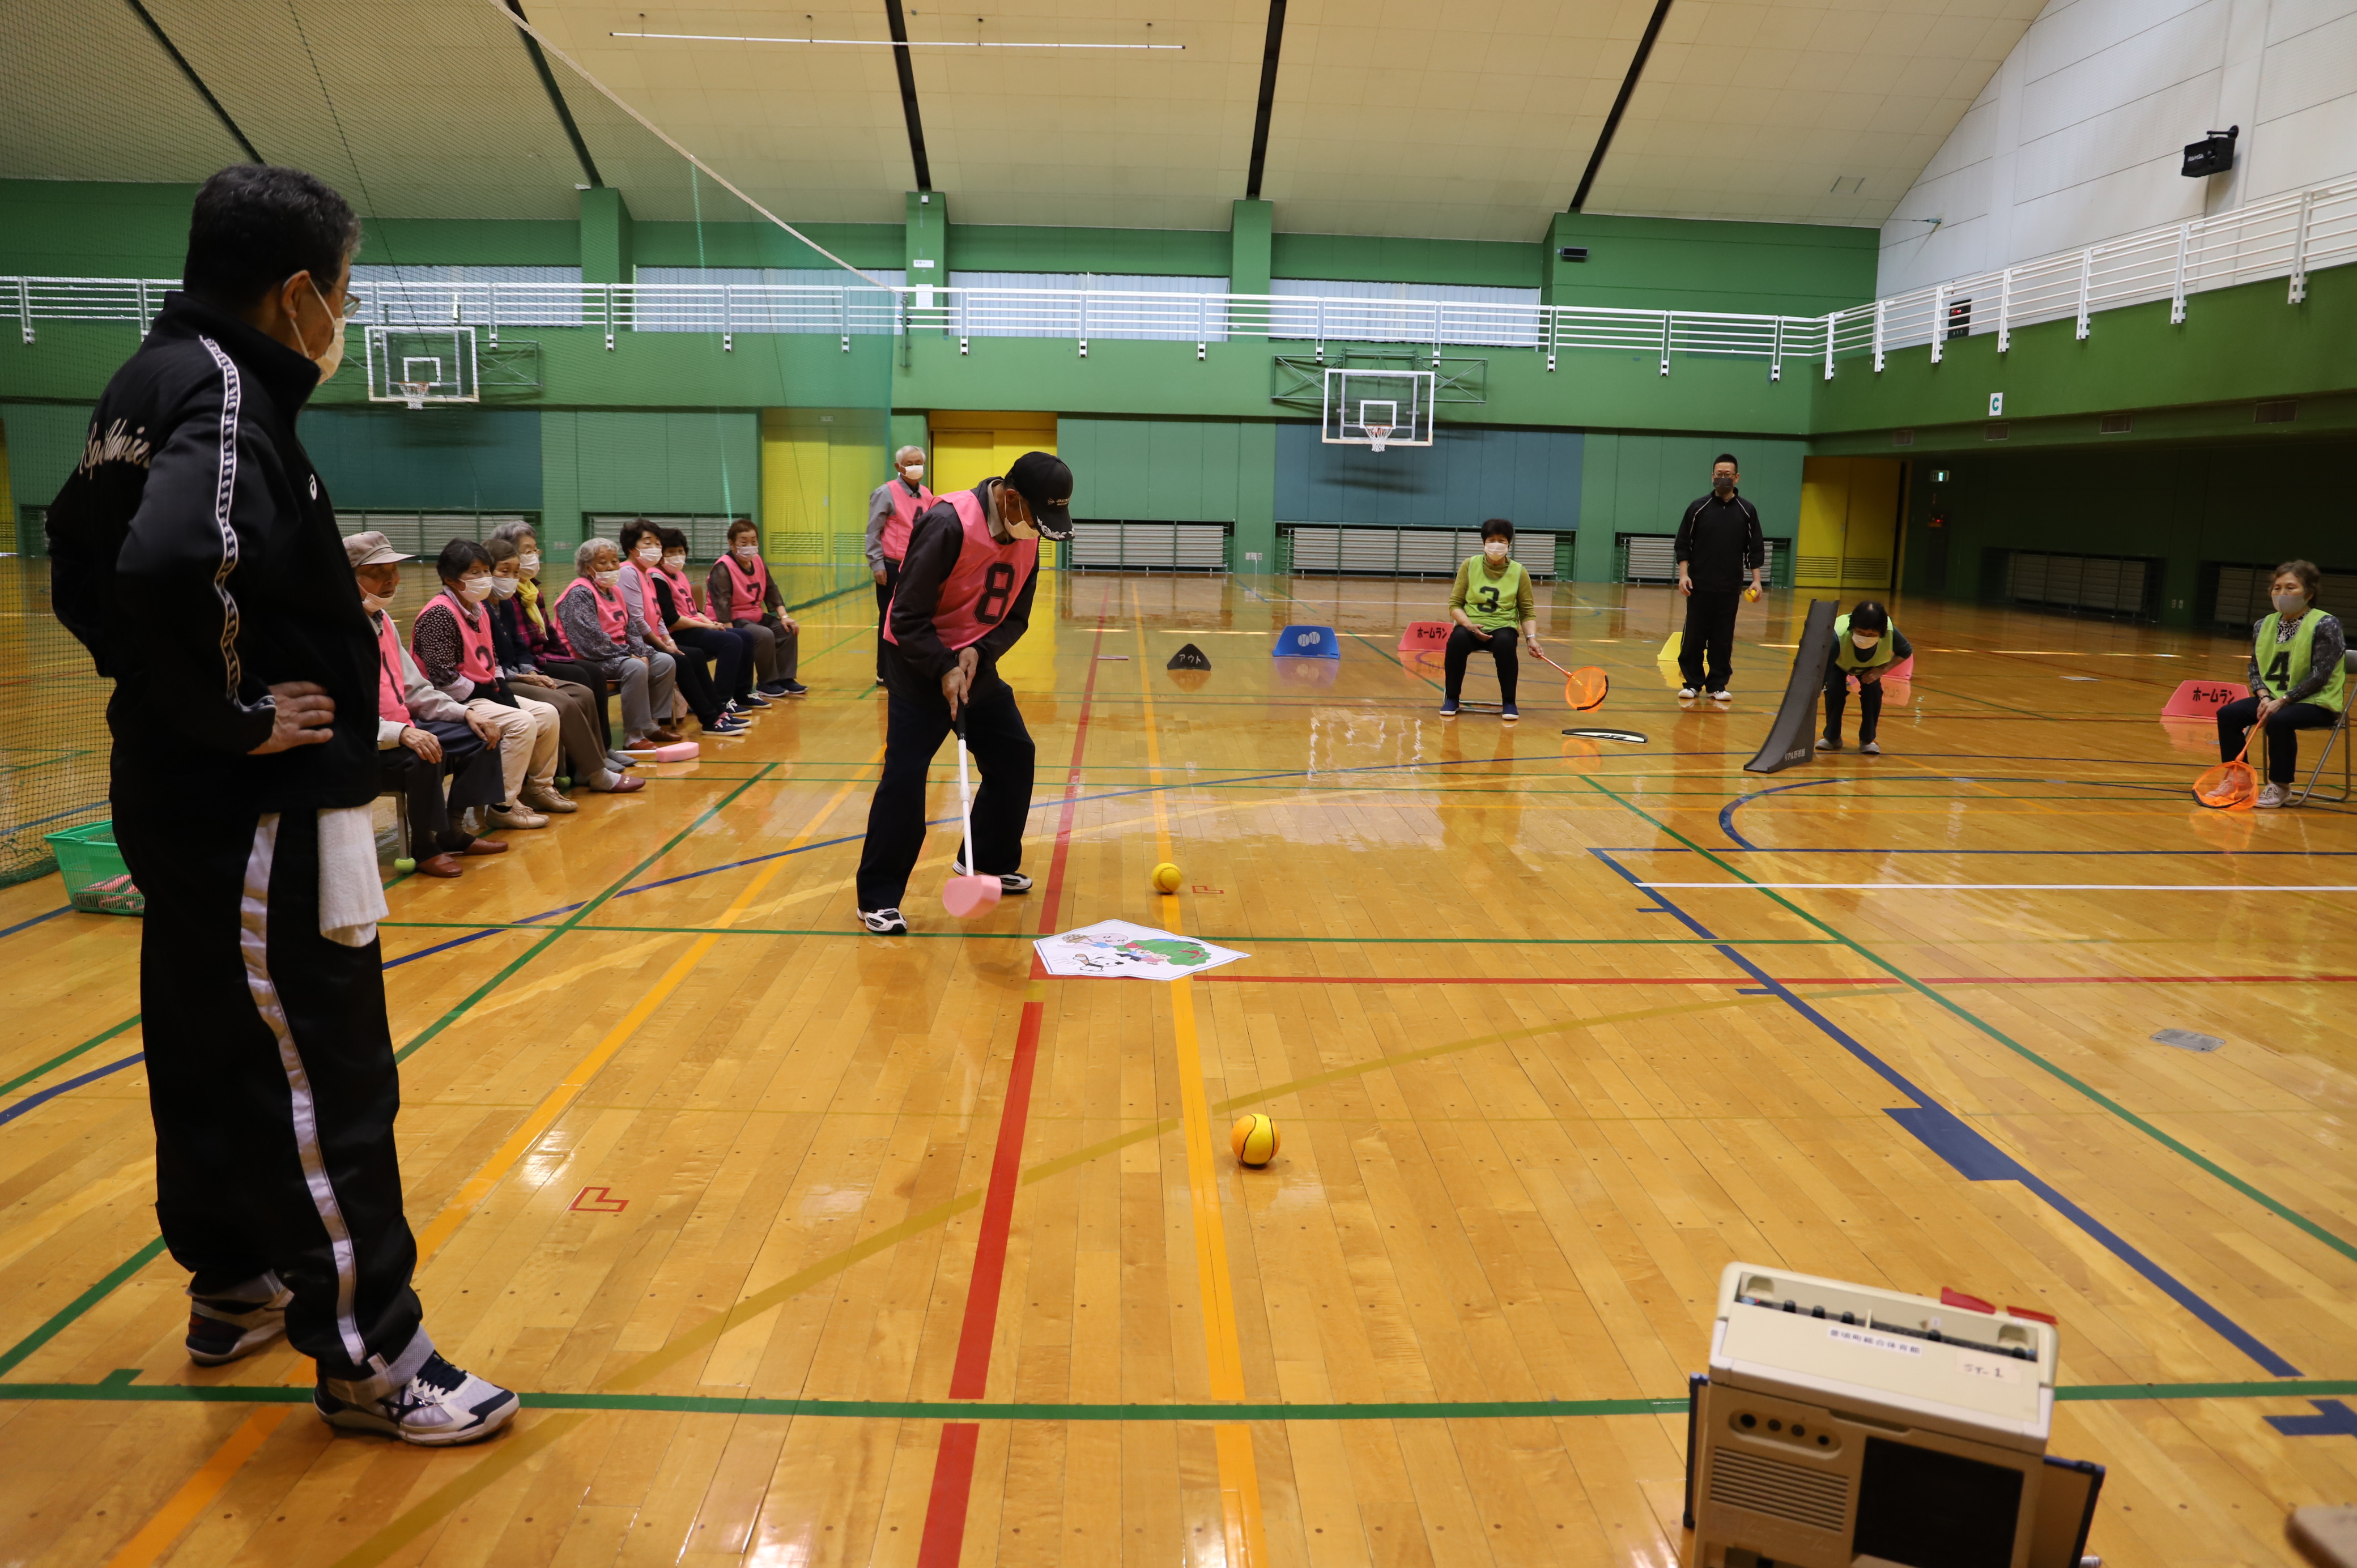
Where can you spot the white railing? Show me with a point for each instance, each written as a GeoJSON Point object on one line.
{"type": "Point", "coordinates": [2284, 237]}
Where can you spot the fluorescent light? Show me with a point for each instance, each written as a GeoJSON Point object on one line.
{"type": "Point", "coordinates": [884, 43]}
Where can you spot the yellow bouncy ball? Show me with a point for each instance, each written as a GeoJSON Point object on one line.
{"type": "Point", "coordinates": [1255, 1139]}
{"type": "Point", "coordinates": [1165, 878]}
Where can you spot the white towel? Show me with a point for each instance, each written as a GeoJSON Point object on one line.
{"type": "Point", "coordinates": [351, 896]}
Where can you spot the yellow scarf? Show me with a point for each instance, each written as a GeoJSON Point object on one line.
{"type": "Point", "coordinates": [528, 590]}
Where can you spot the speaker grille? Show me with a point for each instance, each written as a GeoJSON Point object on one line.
{"type": "Point", "coordinates": [1778, 1490]}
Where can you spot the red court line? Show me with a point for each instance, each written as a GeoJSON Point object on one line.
{"type": "Point", "coordinates": [945, 1533]}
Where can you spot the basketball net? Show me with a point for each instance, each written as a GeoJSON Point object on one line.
{"type": "Point", "coordinates": [1376, 435]}
{"type": "Point", "coordinates": [414, 392]}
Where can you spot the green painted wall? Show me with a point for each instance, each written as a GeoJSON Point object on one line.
{"type": "Point", "coordinates": [1157, 470]}
{"type": "Point", "coordinates": [392, 459]}
{"type": "Point", "coordinates": [1371, 259]}
{"type": "Point", "coordinates": [2190, 504]}
{"type": "Point", "coordinates": [87, 229]}
{"type": "Point", "coordinates": [45, 442]}
{"type": "Point", "coordinates": [1669, 264]}
{"type": "Point", "coordinates": [596, 460]}
{"type": "Point", "coordinates": [669, 245]}
{"type": "Point", "coordinates": [1006, 247]}
{"type": "Point", "coordinates": [1633, 483]}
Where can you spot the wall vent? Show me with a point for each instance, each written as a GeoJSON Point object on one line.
{"type": "Point", "coordinates": [2118, 424]}
{"type": "Point", "coordinates": [1995, 432]}
{"type": "Point", "coordinates": [1902, 438]}
{"type": "Point", "coordinates": [1778, 1490]}
{"type": "Point", "coordinates": [2282, 410]}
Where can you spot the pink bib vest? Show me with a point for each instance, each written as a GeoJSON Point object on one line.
{"type": "Point", "coordinates": [648, 605]}
{"type": "Point", "coordinates": [682, 596]}
{"type": "Point", "coordinates": [981, 586]}
{"type": "Point", "coordinates": [747, 591]}
{"type": "Point", "coordinates": [392, 703]}
{"type": "Point", "coordinates": [906, 510]}
{"type": "Point", "coordinates": [612, 619]}
{"type": "Point", "coordinates": [475, 660]}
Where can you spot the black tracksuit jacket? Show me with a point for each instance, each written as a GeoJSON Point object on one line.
{"type": "Point", "coordinates": [1720, 542]}
{"type": "Point", "coordinates": [194, 552]}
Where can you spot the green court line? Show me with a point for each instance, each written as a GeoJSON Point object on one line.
{"type": "Point", "coordinates": [80, 1305]}
{"type": "Point", "coordinates": [120, 1387]}
{"type": "Point", "coordinates": [1033, 936]}
{"type": "Point", "coordinates": [22, 1079]}
{"type": "Point", "coordinates": [2281, 1211]}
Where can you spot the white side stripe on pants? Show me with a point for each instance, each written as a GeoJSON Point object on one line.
{"type": "Point", "coordinates": [253, 938]}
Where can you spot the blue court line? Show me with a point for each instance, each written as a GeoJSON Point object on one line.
{"type": "Point", "coordinates": [45, 1096]}
{"type": "Point", "coordinates": [24, 925]}
{"type": "Point", "coordinates": [1970, 1153]}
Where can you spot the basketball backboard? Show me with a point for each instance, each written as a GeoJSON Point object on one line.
{"type": "Point", "coordinates": [423, 365]}
{"type": "Point", "coordinates": [1376, 409]}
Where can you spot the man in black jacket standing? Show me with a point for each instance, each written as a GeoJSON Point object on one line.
{"type": "Point", "coordinates": [195, 554]}
{"type": "Point", "coordinates": [1718, 540]}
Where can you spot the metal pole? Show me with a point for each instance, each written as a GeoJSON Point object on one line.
{"type": "Point", "coordinates": [2005, 311]}
{"type": "Point", "coordinates": [2299, 250]}
{"type": "Point", "coordinates": [1939, 321]}
{"type": "Point", "coordinates": [2177, 283]}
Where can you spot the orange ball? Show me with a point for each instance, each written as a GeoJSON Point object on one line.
{"type": "Point", "coordinates": [1254, 1140]}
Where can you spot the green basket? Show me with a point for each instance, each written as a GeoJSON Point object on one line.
{"type": "Point", "coordinates": [96, 878]}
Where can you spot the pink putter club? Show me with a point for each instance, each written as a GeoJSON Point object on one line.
{"type": "Point", "coordinates": [967, 896]}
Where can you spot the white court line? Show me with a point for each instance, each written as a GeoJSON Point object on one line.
{"type": "Point", "coordinates": [2020, 887]}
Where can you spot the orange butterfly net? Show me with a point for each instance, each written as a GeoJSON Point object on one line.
{"type": "Point", "coordinates": [2230, 786]}
{"type": "Point", "coordinates": [1583, 688]}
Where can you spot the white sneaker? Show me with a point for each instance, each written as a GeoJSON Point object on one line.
{"type": "Point", "coordinates": [437, 1408]}
{"type": "Point", "coordinates": [223, 1328]}
{"type": "Point", "coordinates": [1687, 694]}
{"type": "Point", "coordinates": [1008, 882]}
{"type": "Point", "coordinates": [1722, 695]}
{"type": "Point", "coordinates": [1871, 747]}
{"type": "Point", "coordinates": [516, 816]}
{"type": "Point", "coordinates": [2271, 797]}
{"type": "Point", "coordinates": [884, 922]}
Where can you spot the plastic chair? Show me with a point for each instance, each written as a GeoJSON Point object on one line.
{"type": "Point", "coordinates": [2333, 736]}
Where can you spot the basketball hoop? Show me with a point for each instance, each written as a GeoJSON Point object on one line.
{"type": "Point", "coordinates": [414, 392]}
{"type": "Point", "coordinates": [1376, 435]}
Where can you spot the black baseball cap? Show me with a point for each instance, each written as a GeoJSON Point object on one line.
{"type": "Point", "coordinates": [1045, 484]}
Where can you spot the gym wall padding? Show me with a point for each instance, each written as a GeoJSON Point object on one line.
{"type": "Point", "coordinates": [1157, 470]}
{"type": "Point", "coordinates": [1531, 477]}
{"type": "Point", "coordinates": [1643, 484]}
{"type": "Point", "coordinates": [597, 461]}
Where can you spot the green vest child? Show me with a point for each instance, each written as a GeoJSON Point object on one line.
{"type": "Point", "coordinates": [2284, 665]}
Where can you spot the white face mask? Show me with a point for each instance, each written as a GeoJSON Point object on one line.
{"type": "Point", "coordinates": [1495, 549]}
{"type": "Point", "coordinates": [913, 473]}
{"type": "Point", "coordinates": [747, 550]}
{"type": "Point", "coordinates": [330, 357]}
{"type": "Point", "coordinates": [372, 603]}
{"type": "Point", "coordinates": [529, 563]}
{"type": "Point", "coordinates": [505, 586]}
{"type": "Point", "coordinates": [1867, 641]}
{"type": "Point", "coordinates": [607, 578]}
{"type": "Point", "coordinates": [477, 588]}
{"type": "Point", "coordinates": [674, 563]}
{"type": "Point", "coordinates": [650, 553]}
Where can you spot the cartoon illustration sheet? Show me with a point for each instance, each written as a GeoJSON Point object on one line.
{"type": "Point", "coordinates": [1117, 949]}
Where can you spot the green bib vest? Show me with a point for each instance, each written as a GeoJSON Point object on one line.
{"type": "Point", "coordinates": [2283, 665]}
{"type": "Point", "coordinates": [1850, 658]}
{"type": "Point", "coordinates": [1490, 601]}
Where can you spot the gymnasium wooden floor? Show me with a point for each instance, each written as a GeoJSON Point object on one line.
{"type": "Point", "coordinates": [809, 1247]}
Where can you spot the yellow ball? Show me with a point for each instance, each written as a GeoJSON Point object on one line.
{"type": "Point", "coordinates": [1255, 1139]}
{"type": "Point", "coordinates": [1165, 878]}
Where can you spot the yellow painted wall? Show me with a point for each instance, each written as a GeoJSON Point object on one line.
{"type": "Point", "coordinates": [7, 497]}
{"type": "Point", "coordinates": [1849, 524]}
{"type": "Point", "coordinates": [818, 468]}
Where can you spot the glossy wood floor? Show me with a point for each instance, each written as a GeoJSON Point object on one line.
{"type": "Point", "coordinates": [809, 1247]}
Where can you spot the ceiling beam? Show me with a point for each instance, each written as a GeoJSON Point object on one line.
{"type": "Point", "coordinates": [1268, 54]}
{"type": "Point", "coordinates": [908, 69]}
{"type": "Point", "coordinates": [556, 98]}
{"type": "Point", "coordinates": [1620, 104]}
{"type": "Point", "coordinates": [196, 82]}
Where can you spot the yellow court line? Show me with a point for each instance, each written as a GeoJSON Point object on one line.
{"type": "Point", "coordinates": [1240, 1507]}
{"type": "Point", "coordinates": [197, 1492]}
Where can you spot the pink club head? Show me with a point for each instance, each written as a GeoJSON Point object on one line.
{"type": "Point", "coordinates": [967, 896]}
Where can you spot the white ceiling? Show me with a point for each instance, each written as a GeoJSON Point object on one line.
{"type": "Point", "coordinates": [1470, 119]}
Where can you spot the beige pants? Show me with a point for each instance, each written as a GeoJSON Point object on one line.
{"type": "Point", "coordinates": [528, 742]}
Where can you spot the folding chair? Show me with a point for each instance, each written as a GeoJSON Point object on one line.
{"type": "Point", "coordinates": [2333, 736]}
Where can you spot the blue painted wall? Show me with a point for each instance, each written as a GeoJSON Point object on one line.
{"type": "Point", "coordinates": [1531, 477]}
{"type": "Point", "coordinates": [435, 459]}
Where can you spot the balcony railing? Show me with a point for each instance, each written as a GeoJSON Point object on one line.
{"type": "Point", "coordinates": [2283, 237]}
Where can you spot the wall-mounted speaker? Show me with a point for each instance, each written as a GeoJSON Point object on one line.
{"type": "Point", "coordinates": [2214, 153]}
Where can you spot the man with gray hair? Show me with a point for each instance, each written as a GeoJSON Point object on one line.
{"type": "Point", "coordinates": [895, 504]}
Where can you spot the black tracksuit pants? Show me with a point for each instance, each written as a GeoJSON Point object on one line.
{"type": "Point", "coordinates": [916, 723]}
{"type": "Point", "coordinates": [731, 673]}
{"type": "Point", "coordinates": [1869, 703]}
{"type": "Point", "coordinates": [270, 1077]}
{"type": "Point", "coordinates": [1710, 630]}
{"type": "Point", "coordinates": [472, 770]}
{"type": "Point", "coordinates": [883, 609]}
{"type": "Point", "coordinates": [1463, 644]}
{"type": "Point", "coordinates": [2234, 722]}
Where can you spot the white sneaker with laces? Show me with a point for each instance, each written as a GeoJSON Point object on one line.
{"type": "Point", "coordinates": [2271, 797]}
{"type": "Point", "coordinates": [1687, 694]}
{"type": "Point", "coordinates": [1008, 882]}
{"type": "Point", "coordinates": [440, 1406]}
{"type": "Point", "coordinates": [1722, 695]}
{"type": "Point", "coordinates": [884, 922]}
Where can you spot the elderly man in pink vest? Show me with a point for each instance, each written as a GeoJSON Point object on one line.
{"type": "Point", "coordinates": [962, 599]}
{"type": "Point", "coordinates": [892, 512]}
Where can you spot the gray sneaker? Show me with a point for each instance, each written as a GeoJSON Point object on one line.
{"type": "Point", "coordinates": [441, 1406]}
{"type": "Point", "coordinates": [2273, 796]}
{"type": "Point", "coordinates": [1871, 747]}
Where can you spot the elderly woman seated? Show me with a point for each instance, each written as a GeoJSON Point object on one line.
{"type": "Point", "coordinates": [580, 715]}
{"type": "Point", "coordinates": [452, 640]}
{"type": "Point", "coordinates": [692, 663]}
{"type": "Point", "coordinates": [608, 636]}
